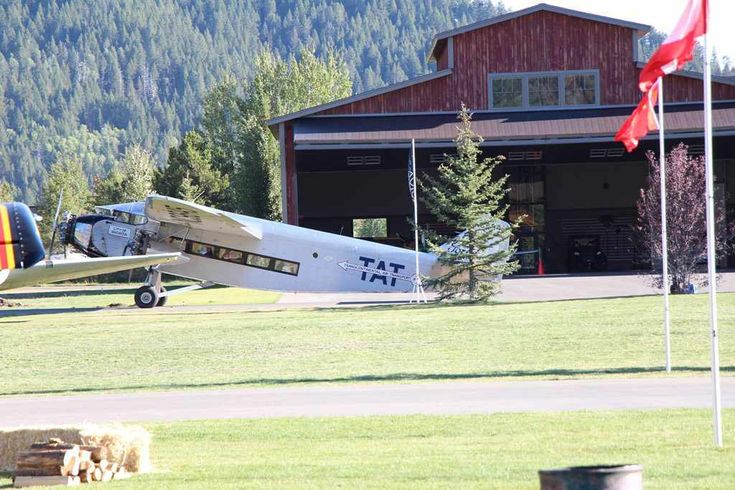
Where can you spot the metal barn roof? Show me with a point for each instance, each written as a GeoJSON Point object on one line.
{"type": "Point", "coordinates": [550, 125]}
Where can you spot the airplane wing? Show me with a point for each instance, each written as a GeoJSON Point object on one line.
{"type": "Point", "coordinates": [170, 210]}
{"type": "Point", "coordinates": [61, 270]}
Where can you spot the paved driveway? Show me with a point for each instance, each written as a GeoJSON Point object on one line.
{"type": "Point", "coordinates": [520, 288]}
{"type": "Point", "coordinates": [368, 399]}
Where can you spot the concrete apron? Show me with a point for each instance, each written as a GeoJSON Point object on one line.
{"type": "Point", "coordinates": [520, 288]}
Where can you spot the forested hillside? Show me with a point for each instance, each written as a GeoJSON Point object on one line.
{"type": "Point", "coordinates": [88, 78]}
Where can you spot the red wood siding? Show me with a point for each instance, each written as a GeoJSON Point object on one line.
{"type": "Point", "coordinates": [542, 41]}
{"type": "Point", "coordinates": [685, 89]}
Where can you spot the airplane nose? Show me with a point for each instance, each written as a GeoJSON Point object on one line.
{"type": "Point", "coordinates": [20, 242]}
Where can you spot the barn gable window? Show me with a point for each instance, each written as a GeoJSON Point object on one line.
{"type": "Point", "coordinates": [544, 89]}
{"type": "Point", "coordinates": [580, 89]}
{"type": "Point", "coordinates": [507, 92]}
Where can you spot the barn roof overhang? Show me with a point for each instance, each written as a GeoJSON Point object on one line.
{"type": "Point", "coordinates": [437, 41]}
{"type": "Point", "coordinates": [274, 122]}
{"type": "Point", "coordinates": [500, 128]}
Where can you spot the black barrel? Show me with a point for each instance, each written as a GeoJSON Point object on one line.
{"type": "Point", "coordinates": [613, 477]}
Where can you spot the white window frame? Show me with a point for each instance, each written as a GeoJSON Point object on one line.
{"type": "Point", "coordinates": [524, 76]}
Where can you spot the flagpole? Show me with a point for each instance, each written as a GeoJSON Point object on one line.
{"type": "Point", "coordinates": [418, 286]}
{"type": "Point", "coordinates": [664, 226]}
{"type": "Point", "coordinates": [711, 254]}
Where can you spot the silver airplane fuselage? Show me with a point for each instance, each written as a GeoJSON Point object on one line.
{"type": "Point", "coordinates": [300, 259]}
{"type": "Point", "coordinates": [276, 256]}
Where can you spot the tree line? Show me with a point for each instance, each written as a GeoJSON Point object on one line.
{"type": "Point", "coordinates": [91, 78]}
{"type": "Point", "coordinates": [230, 161]}
{"type": "Point", "coordinates": [186, 87]}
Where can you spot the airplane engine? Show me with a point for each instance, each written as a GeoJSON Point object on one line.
{"type": "Point", "coordinates": [20, 242]}
{"type": "Point", "coordinates": [102, 236]}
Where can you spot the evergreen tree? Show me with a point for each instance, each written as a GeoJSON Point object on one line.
{"type": "Point", "coordinates": [108, 190]}
{"type": "Point", "coordinates": [189, 191]}
{"type": "Point", "coordinates": [131, 180]}
{"type": "Point", "coordinates": [190, 173]}
{"type": "Point", "coordinates": [7, 191]}
{"type": "Point", "coordinates": [465, 195]}
{"type": "Point", "coordinates": [111, 74]}
{"type": "Point", "coordinates": [137, 168]}
{"type": "Point", "coordinates": [66, 178]}
{"type": "Point", "coordinates": [141, 69]}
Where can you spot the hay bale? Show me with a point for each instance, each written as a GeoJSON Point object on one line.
{"type": "Point", "coordinates": [128, 445]}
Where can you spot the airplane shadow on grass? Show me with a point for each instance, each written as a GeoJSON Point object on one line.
{"type": "Point", "coordinates": [17, 311]}
{"type": "Point", "coordinates": [20, 311]}
{"type": "Point", "coordinates": [395, 377]}
{"type": "Point", "coordinates": [67, 293]}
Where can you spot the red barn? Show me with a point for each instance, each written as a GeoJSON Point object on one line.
{"type": "Point", "coordinates": [549, 87]}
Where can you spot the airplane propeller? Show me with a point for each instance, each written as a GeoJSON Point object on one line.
{"type": "Point", "coordinates": [56, 226]}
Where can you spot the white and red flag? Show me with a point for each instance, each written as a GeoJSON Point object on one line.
{"type": "Point", "coordinates": [641, 121]}
{"type": "Point", "coordinates": [678, 48]}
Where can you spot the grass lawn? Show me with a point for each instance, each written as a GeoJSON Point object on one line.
{"type": "Point", "coordinates": [502, 451]}
{"type": "Point", "coordinates": [174, 349]}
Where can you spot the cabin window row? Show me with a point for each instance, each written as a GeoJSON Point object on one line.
{"type": "Point", "coordinates": [242, 258]}
{"type": "Point", "coordinates": [555, 89]}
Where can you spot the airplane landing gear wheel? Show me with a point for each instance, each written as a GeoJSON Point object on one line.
{"type": "Point", "coordinates": [146, 297]}
{"type": "Point", "coordinates": [162, 299]}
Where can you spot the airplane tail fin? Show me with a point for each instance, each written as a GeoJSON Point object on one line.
{"type": "Point", "coordinates": [499, 243]}
{"type": "Point", "coordinates": [496, 249]}
{"type": "Point", "coordinates": [20, 242]}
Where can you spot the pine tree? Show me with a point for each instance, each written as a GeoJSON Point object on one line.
{"type": "Point", "coordinates": [137, 169]}
{"type": "Point", "coordinates": [66, 178]}
{"type": "Point", "coordinates": [141, 68]}
{"type": "Point", "coordinates": [465, 196]}
{"type": "Point", "coordinates": [7, 191]}
{"type": "Point", "coordinates": [189, 191]}
{"type": "Point", "coordinates": [190, 173]}
{"type": "Point", "coordinates": [129, 181]}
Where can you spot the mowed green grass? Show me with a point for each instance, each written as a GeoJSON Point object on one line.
{"type": "Point", "coordinates": [215, 347]}
{"type": "Point", "coordinates": [502, 451]}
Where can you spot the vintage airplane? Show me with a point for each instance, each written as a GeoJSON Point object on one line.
{"type": "Point", "coordinates": [22, 254]}
{"type": "Point", "coordinates": [241, 251]}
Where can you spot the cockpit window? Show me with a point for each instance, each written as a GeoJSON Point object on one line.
{"type": "Point", "coordinates": [132, 213]}
{"type": "Point", "coordinates": [121, 216]}
{"type": "Point", "coordinates": [82, 234]}
{"type": "Point", "coordinates": [139, 220]}
{"type": "Point", "coordinates": [103, 211]}
{"type": "Point", "coordinates": [129, 218]}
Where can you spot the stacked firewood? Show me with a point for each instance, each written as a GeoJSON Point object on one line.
{"type": "Point", "coordinates": [58, 463]}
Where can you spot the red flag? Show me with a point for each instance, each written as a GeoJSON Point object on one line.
{"type": "Point", "coordinates": [640, 122]}
{"type": "Point", "coordinates": [677, 49]}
